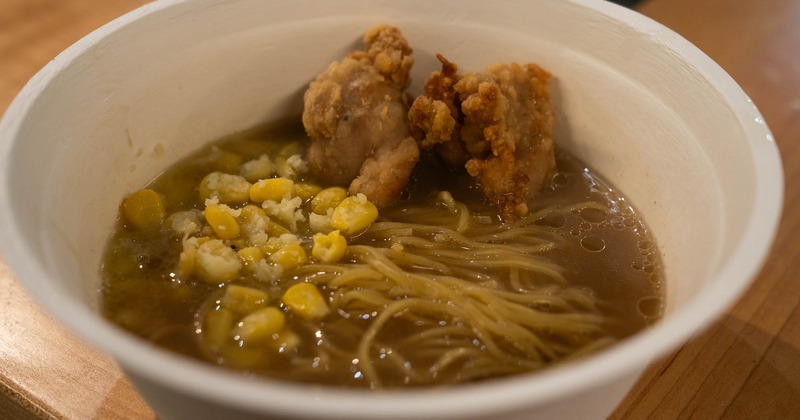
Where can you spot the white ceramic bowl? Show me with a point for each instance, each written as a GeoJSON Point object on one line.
{"type": "Point", "coordinates": [644, 107]}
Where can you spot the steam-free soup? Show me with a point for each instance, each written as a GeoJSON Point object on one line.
{"type": "Point", "coordinates": [238, 257]}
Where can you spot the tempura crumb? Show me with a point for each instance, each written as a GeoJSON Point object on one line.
{"type": "Point", "coordinates": [227, 188]}
{"type": "Point", "coordinates": [216, 262]}
{"type": "Point", "coordinates": [320, 223]}
{"type": "Point", "coordinates": [185, 222]}
{"type": "Point", "coordinates": [287, 211]}
{"type": "Point", "coordinates": [257, 169]}
{"type": "Point", "coordinates": [264, 271]}
{"type": "Point", "coordinates": [291, 167]}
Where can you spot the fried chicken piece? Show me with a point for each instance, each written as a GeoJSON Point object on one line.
{"type": "Point", "coordinates": [356, 113]}
{"type": "Point", "coordinates": [497, 124]}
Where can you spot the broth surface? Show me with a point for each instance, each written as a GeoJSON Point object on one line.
{"type": "Point", "coordinates": [602, 249]}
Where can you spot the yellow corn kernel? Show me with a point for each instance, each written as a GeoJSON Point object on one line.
{"type": "Point", "coordinates": [216, 263]}
{"type": "Point", "coordinates": [290, 256]}
{"type": "Point", "coordinates": [282, 168]}
{"type": "Point", "coordinates": [259, 325]}
{"type": "Point", "coordinates": [243, 300]}
{"type": "Point", "coordinates": [143, 209]}
{"type": "Point", "coordinates": [244, 357]}
{"type": "Point", "coordinates": [327, 199]}
{"type": "Point", "coordinates": [329, 248]}
{"type": "Point", "coordinates": [270, 247]}
{"type": "Point", "coordinates": [229, 189]}
{"type": "Point", "coordinates": [252, 212]}
{"type": "Point", "coordinates": [306, 191]}
{"type": "Point", "coordinates": [273, 189]}
{"type": "Point", "coordinates": [291, 166]}
{"type": "Point", "coordinates": [275, 243]}
{"type": "Point", "coordinates": [226, 161]}
{"type": "Point", "coordinates": [285, 340]}
{"type": "Point", "coordinates": [305, 301]}
{"type": "Point", "coordinates": [250, 255]}
{"type": "Point", "coordinates": [276, 229]}
{"type": "Point", "coordinates": [222, 222]}
{"type": "Point", "coordinates": [187, 260]}
{"type": "Point", "coordinates": [252, 220]}
{"type": "Point", "coordinates": [353, 215]}
{"type": "Point", "coordinates": [293, 148]}
{"type": "Point", "coordinates": [217, 327]}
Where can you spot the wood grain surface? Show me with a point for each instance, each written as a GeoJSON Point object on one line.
{"type": "Point", "coordinates": [746, 365]}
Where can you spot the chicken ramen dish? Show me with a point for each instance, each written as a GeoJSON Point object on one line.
{"type": "Point", "coordinates": [385, 241]}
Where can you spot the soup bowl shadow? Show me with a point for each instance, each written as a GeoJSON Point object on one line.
{"type": "Point", "coordinates": [645, 108]}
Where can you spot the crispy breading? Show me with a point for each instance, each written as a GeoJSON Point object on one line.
{"type": "Point", "coordinates": [356, 114]}
{"type": "Point", "coordinates": [497, 123]}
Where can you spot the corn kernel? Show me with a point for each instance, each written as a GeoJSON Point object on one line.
{"type": "Point", "coordinates": [271, 189]}
{"type": "Point", "coordinates": [187, 261]}
{"type": "Point", "coordinates": [253, 222]}
{"type": "Point", "coordinates": [217, 327]}
{"type": "Point", "coordinates": [244, 357]}
{"type": "Point", "coordinates": [275, 243]}
{"type": "Point", "coordinates": [306, 191]}
{"type": "Point", "coordinates": [305, 300]}
{"type": "Point", "coordinates": [329, 248]}
{"type": "Point", "coordinates": [270, 247]}
{"type": "Point", "coordinates": [216, 262]}
{"type": "Point", "coordinates": [293, 148]}
{"type": "Point", "coordinates": [250, 255]}
{"type": "Point", "coordinates": [290, 256]}
{"type": "Point", "coordinates": [243, 300]}
{"type": "Point", "coordinates": [291, 166]}
{"type": "Point", "coordinates": [259, 325]}
{"type": "Point", "coordinates": [221, 221]}
{"type": "Point", "coordinates": [276, 229]}
{"type": "Point", "coordinates": [230, 189]}
{"type": "Point", "coordinates": [225, 161]}
{"type": "Point", "coordinates": [353, 215]}
{"type": "Point", "coordinates": [252, 212]}
{"type": "Point", "coordinates": [143, 209]}
{"type": "Point", "coordinates": [285, 340]}
{"type": "Point", "coordinates": [327, 199]}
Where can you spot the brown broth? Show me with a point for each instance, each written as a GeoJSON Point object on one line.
{"type": "Point", "coordinates": [612, 255]}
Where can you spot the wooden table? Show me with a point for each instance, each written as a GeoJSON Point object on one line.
{"type": "Point", "coordinates": [747, 365]}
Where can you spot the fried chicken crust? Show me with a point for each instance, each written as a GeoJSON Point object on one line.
{"type": "Point", "coordinates": [497, 124]}
{"type": "Point", "coordinates": [356, 114]}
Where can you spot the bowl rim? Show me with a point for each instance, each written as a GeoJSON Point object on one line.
{"type": "Point", "coordinates": [159, 366]}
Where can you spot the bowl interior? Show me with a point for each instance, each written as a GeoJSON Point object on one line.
{"type": "Point", "coordinates": [640, 105]}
